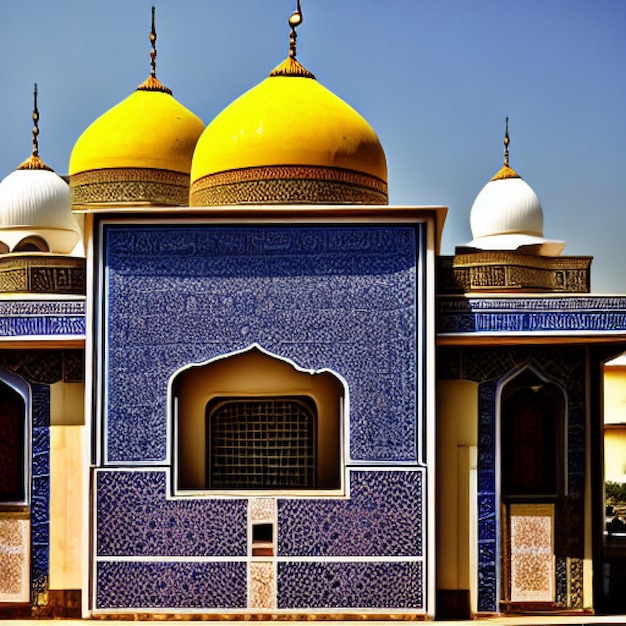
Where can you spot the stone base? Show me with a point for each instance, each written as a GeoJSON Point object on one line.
{"type": "Point", "coordinates": [61, 604]}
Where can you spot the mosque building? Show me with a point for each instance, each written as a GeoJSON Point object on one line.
{"type": "Point", "coordinates": [235, 382]}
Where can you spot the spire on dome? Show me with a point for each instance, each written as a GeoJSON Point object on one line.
{"type": "Point", "coordinates": [153, 52]}
{"type": "Point", "coordinates": [507, 140]}
{"type": "Point", "coordinates": [33, 162]}
{"type": "Point", "coordinates": [295, 19]}
{"type": "Point", "coordinates": [506, 171]}
{"type": "Point", "coordinates": [290, 66]}
{"type": "Point", "coordinates": [152, 83]}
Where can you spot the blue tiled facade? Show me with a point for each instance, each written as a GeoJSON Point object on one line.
{"type": "Point", "coordinates": [171, 585]}
{"type": "Point", "coordinates": [342, 298]}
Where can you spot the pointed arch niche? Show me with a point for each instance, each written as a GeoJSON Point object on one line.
{"type": "Point", "coordinates": [15, 495]}
{"type": "Point", "coordinates": [14, 440]}
{"type": "Point", "coordinates": [532, 482]}
{"type": "Point", "coordinates": [252, 421]}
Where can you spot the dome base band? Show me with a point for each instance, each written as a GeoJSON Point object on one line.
{"type": "Point", "coordinates": [130, 185]}
{"type": "Point", "coordinates": [288, 185]}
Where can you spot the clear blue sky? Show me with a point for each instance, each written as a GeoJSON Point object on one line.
{"type": "Point", "coordinates": [435, 78]}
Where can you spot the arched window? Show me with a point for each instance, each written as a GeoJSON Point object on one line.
{"type": "Point", "coordinates": [12, 445]}
{"type": "Point", "coordinates": [252, 421]}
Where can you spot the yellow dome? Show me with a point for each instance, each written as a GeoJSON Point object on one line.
{"type": "Point", "coordinates": [289, 140]}
{"type": "Point", "coordinates": [138, 152]}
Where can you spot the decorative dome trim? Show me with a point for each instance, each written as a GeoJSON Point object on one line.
{"type": "Point", "coordinates": [129, 185]}
{"type": "Point", "coordinates": [288, 184]}
{"type": "Point", "coordinates": [152, 83]}
{"type": "Point", "coordinates": [34, 162]}
{"type": "Point", "coordinates": [291, 67]}
{"type": "Point", "coordinates": [505, 173]}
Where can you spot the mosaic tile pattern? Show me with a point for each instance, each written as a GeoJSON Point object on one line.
{"type": "Point", "coordinates": [45, 366]}
{"type": "Point", "coordinates": [40, 503]}
{"type": "Point", "coordinates": [170, 585]}
{"type": "Point", "coordinates": [532, 553]}
{"type": "Point", "coordinates": [340, 297]}
{"type": "Point", "coordinates": [262, 576]}
{"type": "Point", "coordinates": [14, 559]}
{"type": "Point", "coordinates": [382, 517]}
{"type": "Point", "coordinates": [169, 527]}
{"type": "Point", "coordinates": [42, 318]}
{"type": "Point", "coordinates": [488, 529]}
{"type": "Point", "coordinates": [531, 314]}
{"type": "Point", "coordinates": [562, 580]}
{"type": "Point", "coordinates": [576, 583]}
{"type": "Point", "coordinates": [392, 585]}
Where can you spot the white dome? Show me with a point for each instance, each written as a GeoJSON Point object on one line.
{"type": "Point", "coordinates": [35, 203]}
{"type": "Point", "coordinates": [507, 215]}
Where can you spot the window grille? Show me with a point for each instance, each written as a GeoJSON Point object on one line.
{"type": "Point", "coordinates": [261, 443]}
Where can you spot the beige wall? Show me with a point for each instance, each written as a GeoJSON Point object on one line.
{"type": "Point", "coordinates": [457, 430]}
{"type": "Point", "coordinates": [615, 423]}
{"type": "Point", "coordinates": [615, 454]}
{"type": "Point", "coordinates": [66, 484]}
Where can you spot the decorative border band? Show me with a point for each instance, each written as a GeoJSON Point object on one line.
{"type": "Point", "coordinates": [288, 184]}
{"type": "Point", "coordinates": [42, 319]}
{"type": "Point", "coordinates": [119, 185]}
{"type": "Point", "coordinates": [531, 315]}
{"type": "Point", "coordinates": [42, 274]}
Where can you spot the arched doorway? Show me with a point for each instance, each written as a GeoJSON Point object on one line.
{"type": "Point", "coordinates": [532, 481]}
{"type": "Point", "coordinates": [14, 490]}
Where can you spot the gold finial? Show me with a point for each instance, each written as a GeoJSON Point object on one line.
{"type": "Point", "coordinates": [290, 66]}
{"type": "Point", "coordinates": [33, 162]}
{"type": "Point", "coordinates": [295, 19]}
{"type": "Point", "coordinates": [35, 123]}
{"type": "Point", "coordinates": [506, 171]}
{"type": "Point", "coordinates": [152, 83]}
{"type": "Point", "coordinates": [506, 144]}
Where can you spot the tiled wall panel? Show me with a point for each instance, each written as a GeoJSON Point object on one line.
{"type": "Point", "coordinates": [338, 297]}
{"type": "Point", "coordinates": [134, 518]}
{"type": "Point", "coordinates": [149, 585]}
{"type": "Point", "coordinates": [390, 585]}
{"type": "Point", "coordinates": [382, 517]}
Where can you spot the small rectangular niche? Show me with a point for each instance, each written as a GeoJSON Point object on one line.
{"type": "Point", "coordinates": [263, 539]}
